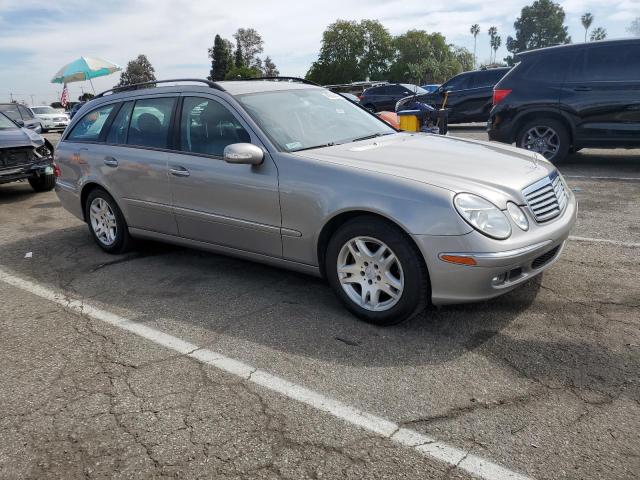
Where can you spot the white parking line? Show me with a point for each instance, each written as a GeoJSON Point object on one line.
{"type": "Point", "coordinates": [595, 177]}
{"type": "Point", "coordinates": [425, 445]}
{"type": "Point", "coordinates": [605, 240]}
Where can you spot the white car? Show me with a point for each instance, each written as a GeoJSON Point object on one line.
{"type": "Point", "coordinates": [50, 118]}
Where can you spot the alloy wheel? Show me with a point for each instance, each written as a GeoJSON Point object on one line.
{"type": "Point", "coordinates": [370, 273]}
{"type": "Point", "coordinates": [543, 140]}
{"type": "Point", "coordinates": [103, 221]}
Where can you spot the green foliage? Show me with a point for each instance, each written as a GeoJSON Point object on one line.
{"type": "Point", "coordinates": [270, 69]}
{"type": "Point", "coordinates": [352, 51]}
{"type": "Point", "coordinates": [241, 73]}
{"type": "Point", "coordinates": [239, 57]}
{"type": "Point", "coordinates": [86, 96]}
{"type": "Point", "coordinates": [540, 25]}
{"type": "Point", "coordinates": [219, 55]}
{"type": "Point", "coordinates": [634, 27]}
{"type": "Point", "coordinates": [250, 44]}
{"type": "Point", "coordinates": [587, 20]}
{"type": "Point", "coordinates": [598, 34]}
{"type": "Point", "coordinates": [137, 71]}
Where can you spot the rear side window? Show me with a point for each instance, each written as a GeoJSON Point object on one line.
{"type": "Point", "coordinates": [26, 114]}
{"type": "Point", "coordinates": [150, 120]}
{"type": "Point", "coordinates": [610, 63]}
{"type": "Point", "coordinates": [118, 129]}
{"type": "Point", "coordinates": [547, 68]}
{"type": "Point", "coordinates": [460, 82]}
{"type": "Point", "coordinates": [487, 78]}
{"type": "Point", "coordinates": [11, 111]}
{"type": "Point", "coordinates": [208, 127]}
{"type": "Point", "coordinates": [90, 126]}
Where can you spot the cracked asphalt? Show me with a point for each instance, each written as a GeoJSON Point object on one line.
{"type": "Point", "coordinates": [543, 381]}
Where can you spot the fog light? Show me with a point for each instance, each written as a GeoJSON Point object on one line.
{"type": "Point", "coordinates": [498, 279]}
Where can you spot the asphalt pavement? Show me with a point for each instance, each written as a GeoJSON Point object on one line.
{"type": "Point", "coordinates": [168, 362]}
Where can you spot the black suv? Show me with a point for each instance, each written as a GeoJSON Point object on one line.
{"type": "Point", "coordinates": [561, 99]}
{"type": "Point", "coordinates": [384, 97]}
{"type": "Point", "coordinates": [468, 95]}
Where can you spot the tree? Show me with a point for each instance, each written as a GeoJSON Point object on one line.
{"type": "Point", "coordinates": [270, 69]}
{"type": "Point", "coordinates": [241, 73]}
{"type": "Point", "coordinates": [587, 20]}
{"type": "Point", "coordinates": [464, 57]}
{"type": "Point", "coordinates": [493, 31]}
{"type": "Point", "coordinates": [137, 71]}
{"type": "Point", "coordinates": [250, 43]}
{"type": "Point", "coordinates": [598, 34]}
{"type": "Point", "coordinates": [352, 51]}
{"type": "Point", "coordinates": [475, 30]}
{"type": "Point", "coordinates": [540, 25]}
{"type": "Point", "coordinates": [496, 43]}
{"type": "Point", "coordinates": [634, 27]}
{"type": "Point", "coordinates": [238, 56]}
{"type": "Point", "coordinates": [219, 55]}
{"type": "Point", "coordinates": [86, 96]}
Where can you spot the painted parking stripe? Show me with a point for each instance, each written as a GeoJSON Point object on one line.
{"type": "Point", "coordinates": [595, 177]}
{"type": "Point", "coordinates": [605, 240]}
{"type": "Point", "coordinates": [423, 444]}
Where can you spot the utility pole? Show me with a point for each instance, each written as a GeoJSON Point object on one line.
{"type": "Point", "coordinates": [11, 95]}
{"type": "Point", "coordinates": [32, 104]}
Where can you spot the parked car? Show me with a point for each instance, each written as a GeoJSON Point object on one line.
{"type": "Point", "coordinates": [294, 175]}
{"type": "Point", "coordinates": [431, 87]}
{"type": "Point", "coordinates": [21, 115]}
{"type": "Point", "coordinates": [50, 118]}
{"type": "Point", "coordinates": [561, 99]}
{"type": "Point", "coordinates": [469, 95]}
{"type": "Point", "coordinates": [384, 97]}
{"type": "Point", "coordinates": [25, 155]}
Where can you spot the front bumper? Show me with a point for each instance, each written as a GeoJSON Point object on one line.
{"type": "Point", "coordinates": [500, 266]}
{"type": "Point", "coordinates": [52, 125]}
{"type": "Point", "coordinates": [23, 172]}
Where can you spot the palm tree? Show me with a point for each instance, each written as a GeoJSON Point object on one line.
{"type": "Point", "coordinates": [493, 31]}
{"type": "Point", "coordinates": [496, 42]}
{"type": "Point", "coordinates": [475, 30]}
{"type": "Point", "coordinates": [587, 20]}
{"type": "Point", "coordinates": [598, 34]}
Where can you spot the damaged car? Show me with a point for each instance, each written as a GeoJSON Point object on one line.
{"type": "Point", "coordinates": [25, 155]}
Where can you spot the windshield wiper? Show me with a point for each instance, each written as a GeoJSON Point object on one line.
{"type": "Point", "coordinates": [330, 144]}
{"type": "Point", "coordinates": [369, 137]}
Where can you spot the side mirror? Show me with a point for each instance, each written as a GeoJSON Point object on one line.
{"type": "Point", "coordinates": [20, 123]}
{"type": "Point", "coordinates": [246, 153]}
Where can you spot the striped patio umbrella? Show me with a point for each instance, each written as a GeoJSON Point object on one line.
{"type": "Point", "coordinates": [85, 68]}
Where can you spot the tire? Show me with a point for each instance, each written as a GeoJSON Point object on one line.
{"type": "Point", "coordinates": [115, 239]}
{"type": "Point", "coordinates": [558, 131]}
{"type": "Point", "coordinates": [43, 183]}
{"type": "Point", "coordinates": [410, 269]}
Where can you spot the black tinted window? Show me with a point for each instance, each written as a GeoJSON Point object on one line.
{"type": "Point", "coordinates": [207, 127]}
{"type": "Point", "coordinates": [90, 126]}
{"type": "Point", "coordinates": [458, 83]}
{"type": "Point", "coordinates": [149, 125]}
{"type": "Point", "coordinates": [118, 130]}
{"type": "Point", "coordinates": [487, 78]}
{"type": "Point", "coordinates": [611, 63]}
{"type": "Point", "coordinates": [548, 68]}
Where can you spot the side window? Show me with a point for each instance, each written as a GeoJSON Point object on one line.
{"type": "Point", "coordinates": [150, 120]}
{"type": "Point", "coordinates": [26, 114]}
{"type": "Point", "coordinates": [90, 126]}
{"type": "Point", "coordinates": [547, 68]}
{"type": "Point", "coordinates": [458, 83]}
{"type": "Point", "coordinates": [612, 63]}
{"type": "Point", "coordinates": [11, 111]}
{"type": "Point", "coordinates": [207, 127]}
{"type": "Point", "coordinates": [118, 130]}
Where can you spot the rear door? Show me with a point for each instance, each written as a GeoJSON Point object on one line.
{"type": "Point", "coordinates": [602, 91]}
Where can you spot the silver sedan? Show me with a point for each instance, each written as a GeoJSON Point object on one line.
{"type": "Point", "coordinates": [296, 176]}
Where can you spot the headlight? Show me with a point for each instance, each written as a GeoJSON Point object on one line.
{"type": "Point", "coordinates": [518, 216]}
{"type": "Point", "coordinates": [483, 215]}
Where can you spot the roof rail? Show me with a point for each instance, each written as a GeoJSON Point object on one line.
{"type": "Point", "coordinates": [134, 86]}
{"type": "Point", "coordinates": [288, 79]}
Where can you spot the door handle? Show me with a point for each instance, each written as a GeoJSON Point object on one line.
{"type": "Point", "coordinates": [582, 89]}
{"type": "Point", "coordinates": [179, 171]}
{"type": "Point", "coordinates": [110, 162]}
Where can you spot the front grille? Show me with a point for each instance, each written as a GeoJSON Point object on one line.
{"type": "Point", "coordinates": [545, 258]}
{"type": "Point", "coordinates": [546, 198]}
{"type": "Point", "coordinates": [13, 157]}
{"type": "Point", "coordinates": [60, 119]}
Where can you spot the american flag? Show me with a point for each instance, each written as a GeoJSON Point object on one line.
{"type": "Point", "coordinates": [64, 99]}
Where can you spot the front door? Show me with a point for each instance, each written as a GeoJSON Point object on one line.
{"type": "Point", "coordinates": [226, 204]}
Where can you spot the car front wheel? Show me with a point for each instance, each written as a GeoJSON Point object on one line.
{"type": "Point", "coordinates": [376, 271]}
{"type": "Point", "coordinates": [106, 222]}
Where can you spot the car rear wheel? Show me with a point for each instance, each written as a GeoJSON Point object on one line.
{"type": "Point", "coordinates": [106, 222]}
{"type": "Point", "coordinates": [43, 183]}
{"type": "Point", "coordinates": [545, 136]}
{"type": "Point", "coordinates": [376, 271]}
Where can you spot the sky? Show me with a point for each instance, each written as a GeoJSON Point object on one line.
{"type": "Point", "coordinates": [37, 37]}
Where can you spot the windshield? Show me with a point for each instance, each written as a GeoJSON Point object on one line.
{"type": "Point", "coordinates": [310, 118]}
{"type": "Point", "coordinates": [6, 124]}
{"type": "Point", "coordinates": [41, 110]}
{"type": "Point", "coordinates": [414, 88]}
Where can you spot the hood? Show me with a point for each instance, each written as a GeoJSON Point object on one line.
{"type": "Point", "coordinates": [19, 137]}
{"type": "Point", "coordinates": [495, 171]}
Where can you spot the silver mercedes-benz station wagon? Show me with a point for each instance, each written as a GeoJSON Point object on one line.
{"type": "Point", "coordinates": [285, 172]}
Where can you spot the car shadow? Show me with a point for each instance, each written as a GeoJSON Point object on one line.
{"type": "Point", "coordinates": [15, 192]}
{"type": "Point", "coordinates": [617, 162]}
